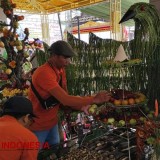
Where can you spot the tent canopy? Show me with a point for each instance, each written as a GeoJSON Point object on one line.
{"type": "Point", "coordinates": [52, 6]}
{"type": "Point", "coordinates": [101, 10]}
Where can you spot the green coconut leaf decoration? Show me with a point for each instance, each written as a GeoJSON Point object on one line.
{"type": "Point", "coordinates": [146, 45]}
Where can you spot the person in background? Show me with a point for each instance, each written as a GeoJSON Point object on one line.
{"type": "Point", "coordinates": [16, 141]}
{"type": "Point", "coordinates": [50, 80]}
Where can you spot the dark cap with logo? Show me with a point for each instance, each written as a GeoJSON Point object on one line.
{"type": "Point", "coordinates": [61, 48]}
{"type": "Point", "coordinates": [18, 105]}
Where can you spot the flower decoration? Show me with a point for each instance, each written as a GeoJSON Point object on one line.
{"type": "Point", "coordinates": [12, 64]}
{"type": "Point", "coordinates": [8, 92]}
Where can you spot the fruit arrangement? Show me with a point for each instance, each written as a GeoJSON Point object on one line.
{"type": "Point", "coordinates": [122, 97]}
{"type": "Point", "coordinates": [121, 116]}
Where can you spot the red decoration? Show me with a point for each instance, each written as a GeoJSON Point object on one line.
{"type": "Point", "coordinates": [156, 108]}
{"type": "Point", "coordinates": [142, 8]}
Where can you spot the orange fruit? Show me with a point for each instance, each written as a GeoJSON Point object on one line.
{"type": "Point", "coordinates": [131, 101]}
{"type": "Point", "coordinates": [125, 102]}
{"type": "Point", "coordinates": [8, 71]}
{"type": "Point", "coordinates": [117, 102]}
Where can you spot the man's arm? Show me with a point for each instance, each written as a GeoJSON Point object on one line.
{"type": "Point", "coordinates": [69, 100]}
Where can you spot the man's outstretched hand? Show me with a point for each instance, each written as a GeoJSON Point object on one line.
{"type": "Point", "coordinates": [101, 97]}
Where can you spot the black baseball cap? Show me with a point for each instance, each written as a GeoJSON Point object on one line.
{"type": "Point", "coordinates": [61, 48]}
{"type": "Point", "coordinates": [18, 105]}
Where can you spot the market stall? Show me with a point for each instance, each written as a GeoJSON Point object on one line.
{"type": "Point", "coordinates": [136, 74]}
{"type": "Point", "coordinates": [125, 128]}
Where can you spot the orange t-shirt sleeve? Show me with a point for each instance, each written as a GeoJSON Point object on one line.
{"type": "Point", "coordinates": [47, 80]}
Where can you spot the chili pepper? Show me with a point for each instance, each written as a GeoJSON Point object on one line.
{"type": "Point", "coordinates": [156, 108]}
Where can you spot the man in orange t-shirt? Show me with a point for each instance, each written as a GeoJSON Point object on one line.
{"type": "Point", "coordinates": [16, 141]}
{"type": "Point", "coordinates": [50, 80]}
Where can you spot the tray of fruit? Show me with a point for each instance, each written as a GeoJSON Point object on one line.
{"type": "Point", "coordinates": [117, 117]}
{"type": "Point", "coordinates": [126, 99]}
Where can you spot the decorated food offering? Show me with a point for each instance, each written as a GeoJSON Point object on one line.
{"type": "Point", "coordinates": [15, 51]}
{"type": "Point", "coordinates": [124, 98]}
{"type": "Point", "coordinates": [125, 109]}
